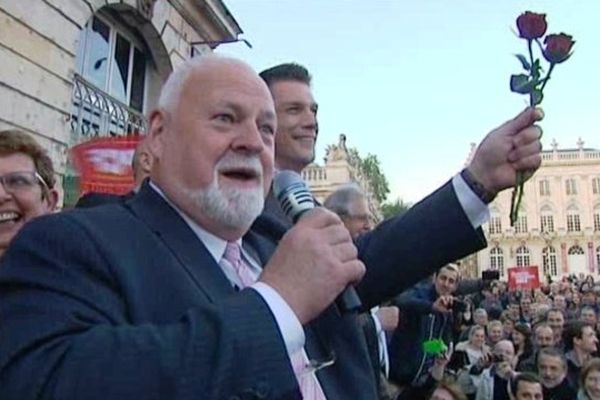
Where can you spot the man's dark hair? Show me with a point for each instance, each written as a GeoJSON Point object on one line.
{"type": "Point", "coordinates": [286, 72]}
{"type": "Point", "coordinates": [574, 329]}
{"type": "Point", "coordinates": [522, 377]}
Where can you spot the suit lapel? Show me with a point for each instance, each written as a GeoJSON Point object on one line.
{"type": "Point", "coordinates": [185, 246]}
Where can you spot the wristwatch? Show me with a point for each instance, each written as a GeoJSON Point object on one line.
{"type": "Point", "coordinates": [484, 195]}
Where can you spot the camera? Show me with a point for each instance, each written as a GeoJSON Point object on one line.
{"type": "Point", "coordinates": [459, 305]}
{"type": "Point", "coordinates": [490, 275]}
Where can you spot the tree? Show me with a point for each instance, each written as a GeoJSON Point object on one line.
{"type": "Point", "coordinates": [370, 169]}
{"type": "Point", "coordinates": [390, 209]}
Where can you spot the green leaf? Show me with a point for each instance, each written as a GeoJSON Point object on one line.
{"type": "Point", "coordinates": [536, 97]}
{"type": "Point", "coordinates": [536, 69]}
{"type": "Point", "coordinates": [524, 62]}
{"type": "Point", "coordinates": [521, 84]}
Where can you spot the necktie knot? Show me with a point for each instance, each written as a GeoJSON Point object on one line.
{"type": "Point", "coordinates": [233, 255]}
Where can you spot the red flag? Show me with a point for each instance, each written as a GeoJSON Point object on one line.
{"type": "Point", "coordinates": [104, 164]}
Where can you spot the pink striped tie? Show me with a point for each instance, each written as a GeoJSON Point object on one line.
{"type": "Point", "coordinates": [309, 386]}
{"type": "Point", "coordinates": [233, 255]}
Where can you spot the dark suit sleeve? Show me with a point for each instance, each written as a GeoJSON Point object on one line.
{"type": "Point", "coordinates": [410, 302]}
{"type": "Point", "coordinates": [66, 332]}
{"type": "Point", "coordinates": [403, 250]}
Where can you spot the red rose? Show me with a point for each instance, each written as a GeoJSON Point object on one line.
{"type": "Point", "coordinates": [531, 25]}
{"type": "Point", "coordinates": [558, 47]}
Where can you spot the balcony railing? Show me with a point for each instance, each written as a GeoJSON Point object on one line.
{"type": "Point", "coordinates": [96, 113]}
{"type": "Point", "coordinates": [314, 174]}
{"type": "Point", "coordinates": [570, 155]}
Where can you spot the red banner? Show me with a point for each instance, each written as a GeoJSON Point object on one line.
{"type": "Point", "coordinates": [523, 278]}
{"type": "Point", "coordinates": [104, 164]}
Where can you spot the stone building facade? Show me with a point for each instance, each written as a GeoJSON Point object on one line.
{"type": "Point", "coordinates": [338, 169]}
{"type": "Point", "coordinates": [558, 228]}
{"type": "Point", "coordinates": [77, 69]}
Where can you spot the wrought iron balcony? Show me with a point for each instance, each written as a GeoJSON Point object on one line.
{"type": "Point", "coordinates": [96, 113]}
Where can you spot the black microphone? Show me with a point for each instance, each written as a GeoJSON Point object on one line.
{"type": "Point", "coordinates": [295, 199]}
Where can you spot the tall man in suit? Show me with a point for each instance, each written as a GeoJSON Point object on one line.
{"type": "Point", "coordinates": [443, 227]}
{"type": "Point", "coordinates": [171, 295]}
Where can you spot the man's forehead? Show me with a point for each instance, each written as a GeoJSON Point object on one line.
{"type": "Point", "coordinates": [237, 103]}
{"type": "Point", "coordinates": [550, 359]}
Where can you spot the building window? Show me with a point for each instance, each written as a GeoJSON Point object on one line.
{"type": "Point", "coordinates": [495, 225]}
{"type": "Point", "coordinates": [523, 257]}
{"type": "Point", "coordinates": [549, 261]}
{"type": "Point", "coordinates": [571, 186]}
{"type": "Point", "coordinates": [596, 185]}
{"type": "Point", "coordinates": [544, 188]}
{"type": "Point", "coordinates": [110, 84]}
{"type": "Point", "coordinates": [497, 260]}
{"type": "Point", "coordinates": [597, 221]}
{"type": "Point", "coordinates": [547, 223]}
{"type": "Point", "coordinates": [573, 221]}
{"type": "Point", "coordinates": [111, 61]}
{"type": "Point", "coordinates": [598, 257]}
{"type": "Point", "coordinates": [576, 250]}
{"type": "Point", "coordinates": [546, 219]}
{"type": "Point", "coordinates": [521, 224]}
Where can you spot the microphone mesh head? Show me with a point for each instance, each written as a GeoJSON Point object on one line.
{"type": "Point", "coordinates": [292, 193]}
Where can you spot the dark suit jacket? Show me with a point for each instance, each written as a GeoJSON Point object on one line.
{"type": "Point", "coordinates": [93, 199]}
{"type": "Point", "coordinates": [398, 253]}
{"type": "Point", "coordinates": [124, 302]}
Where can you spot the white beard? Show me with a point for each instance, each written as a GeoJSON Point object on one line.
{"type": "Point", "coordinates": [233, 207]}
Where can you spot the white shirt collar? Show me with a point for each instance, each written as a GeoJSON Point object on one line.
{"type": "Point", "coordinates": [214, 244]}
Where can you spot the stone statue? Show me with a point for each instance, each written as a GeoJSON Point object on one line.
{"type": "Point", "coordinates": [337, 152]}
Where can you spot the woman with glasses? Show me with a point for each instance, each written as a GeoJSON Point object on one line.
{"type": "Point", "coordinates": [26, 183]}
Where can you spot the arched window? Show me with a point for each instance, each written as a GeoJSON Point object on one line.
{"type": "Point", "coordinates": [497, 260]}
{"type": "Point", "coordinates": [549, 261]}
{"type": "Point", "coordinates": [523, 259]}
{"type": "Point", "coordinates": [113, 60]}
{"type": "Point", "coordinates": [546, 219]}
{"type": "Point", "coordinates": [576, 249]}
{"type": "Point", "coordinates": [573, 219]}
{"type": "Point", "coordinates": [113, 70]}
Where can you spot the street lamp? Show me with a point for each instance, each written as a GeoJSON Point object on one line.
{"type": "Point", "coordinates": [214, 43]}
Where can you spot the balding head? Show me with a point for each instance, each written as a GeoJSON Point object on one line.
{"type": "Point", "coordinates": [212, 141]}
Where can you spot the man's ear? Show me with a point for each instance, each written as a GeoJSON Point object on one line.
{"type": "Point", "coordinates": [156, 132]}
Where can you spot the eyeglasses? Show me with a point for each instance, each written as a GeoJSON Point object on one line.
{"type": "Point", "coordinates": [21, 181]}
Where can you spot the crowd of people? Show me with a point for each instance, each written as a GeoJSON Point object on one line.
{"type": "Point", "coordinates": [198, 284]}
{"type": "Point", "coordinates": [494, 334]}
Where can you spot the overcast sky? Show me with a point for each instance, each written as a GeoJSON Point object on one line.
{"type": "Point", "coordinates": [415, 82]}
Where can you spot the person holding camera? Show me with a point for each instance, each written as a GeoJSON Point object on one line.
{"type": "Point", "coordinates": [492, 383]}
{"type": "Point", "coordinates": [428, 309]}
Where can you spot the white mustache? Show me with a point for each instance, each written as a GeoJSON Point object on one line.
{"type": "Point", "coordinates": [237, 161]}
